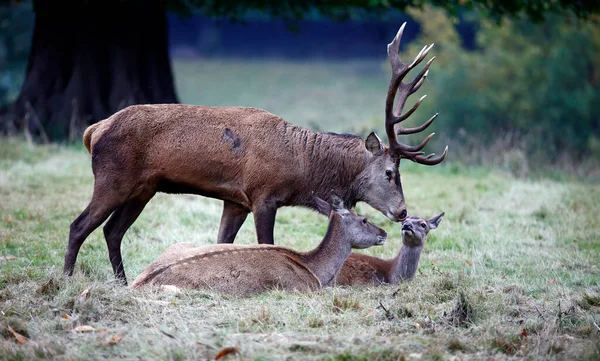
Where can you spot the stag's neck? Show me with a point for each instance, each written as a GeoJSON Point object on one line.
{"type": "Point", "coordinates": [320, 153]}
{"type": "Point", "coordinates": [405, 264]}
{"type": "Point", "coordinates": [327, 259]}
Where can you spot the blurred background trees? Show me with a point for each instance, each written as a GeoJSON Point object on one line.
{"type": "Point", "coordinates": [519, 79]}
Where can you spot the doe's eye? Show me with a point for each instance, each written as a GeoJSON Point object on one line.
{"type": "Point", "coordinates": [364, 221]}
{"type": "Point", "coordinates": [423, 225]}
{"type": "Point", "coordinates": [388, 174]}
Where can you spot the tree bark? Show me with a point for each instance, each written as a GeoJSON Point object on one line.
{"type": "Point", "coordinates": [90, 59]}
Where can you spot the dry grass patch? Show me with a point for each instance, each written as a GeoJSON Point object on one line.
{"type": "Point", "coordinates": [511, 272]}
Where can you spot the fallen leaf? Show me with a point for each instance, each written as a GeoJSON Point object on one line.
{"type": "Point", "coordinates": [20, 338]}
{"type": "Point", "coordinates": [418, 326]}
{"type": "Point", "coordinates": [84, 328]}
{"type": "Point", "coordinates": [551, 282]}
{"type": "Point", "coordinates": [226, 351]}
{"type": "Point", "coordinates": [434, 262]}
{"type": "Point", "coordinates": [115, 340]}
{"type": "Point", "coordinates": [8, 219]}
{"type": "Point", "coordinates": [7, 258]}
{"type": "Point", "coordinates": [67, 317]}
{"type": "Point", "coordinates": [84, 295]}
{"type": "Point", "coordinates": [417, 356]}
{"type": "Point", "coordinates": [468, 263]}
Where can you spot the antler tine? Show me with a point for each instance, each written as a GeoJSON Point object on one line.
{"type": "Point", "coordinates": [429, 160]}
{"type": "Point", "coordinates": [393, 114]}
{"type": "Point", "coordinates": [393, 48]}
{"type": "Point", "coordinates": [419, 128]}
{"type": "Point", "coordinates": [414, 148]}
{"type": "Point", "coordinates": [419, 83]}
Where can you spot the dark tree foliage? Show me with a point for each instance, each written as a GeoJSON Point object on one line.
{"type": "Point", "coordinates": [90, 58]}
{"type": "Point", "coordinates": [535, 10]}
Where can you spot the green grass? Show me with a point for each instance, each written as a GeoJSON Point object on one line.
{"type": "Point", "coordinates": [511, 254]}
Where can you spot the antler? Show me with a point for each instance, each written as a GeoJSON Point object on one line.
{"type": "Point", "coordinates": [393, 115]}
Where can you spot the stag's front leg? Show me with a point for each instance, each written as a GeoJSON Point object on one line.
{"type": "Point", "coordinates": [232, 219]}
{"type": "Point", "coordinates": [264, 220]}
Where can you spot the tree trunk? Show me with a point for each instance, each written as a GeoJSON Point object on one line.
{"type": "Point", "coordinates": [90, 59]}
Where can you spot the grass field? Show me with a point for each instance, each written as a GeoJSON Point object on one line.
{"type": "Point", "coordinates": [512, 271]}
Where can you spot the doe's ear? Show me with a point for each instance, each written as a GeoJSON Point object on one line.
{"type": "Point", "coordinates": [373, 144]}
{"type": "Point", "coordinates": [336, 202]}
{"type": "Point", "coordinates": [322, 206]}
{"type": "Point", "coordinates": [435, 221]}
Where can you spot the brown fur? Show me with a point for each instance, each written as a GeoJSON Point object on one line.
{"type": "Point", "coordinates": [238, 270]}
{"type": "Point", "coordinates": [362, 269]}
{"type": "Point", "coordinates": [241, 270]}
{"type": "Point", "coordinates": [251, 159]}
{"type": "Point", "coordinates": [87, 136]}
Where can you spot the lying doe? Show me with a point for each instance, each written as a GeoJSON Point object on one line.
{"type": "Point", "coordinates": [253, 160]}
{"type": "Point", "coordinates": [363, 269]}
{"type": "Point", "coordinates": [241, 270]}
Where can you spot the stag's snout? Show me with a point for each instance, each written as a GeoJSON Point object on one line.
{"type": "Point", "coordinates": [381, 240]}
{"type": "Point", "coordinates": [398, 214]}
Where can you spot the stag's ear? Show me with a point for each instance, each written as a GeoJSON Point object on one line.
{"type": "Point", "coordinates": [435, 221]}
{"type": "Point", "coordinates": [373, 144]}
{"type": "Point", "coordinates": [322, 206]}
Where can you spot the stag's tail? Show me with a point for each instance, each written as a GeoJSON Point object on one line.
{"type": "Point", "coordinates": [87, 136]}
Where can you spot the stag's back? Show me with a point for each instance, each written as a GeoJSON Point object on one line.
{"type": "Point", "coordinates": [228, 152]}
{"type": "Point", "coordinates": [237, 270]}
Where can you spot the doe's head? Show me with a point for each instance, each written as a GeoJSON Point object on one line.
{"type": "Point", "coordinates": [353, 226]}
{"type": "Point", "coordinates": [415, 229]}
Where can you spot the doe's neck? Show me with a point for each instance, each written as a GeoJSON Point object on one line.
{"type": "Point", "coordinates": [406, 263]}
{"type": "Point", "coordinates": [327, 258]}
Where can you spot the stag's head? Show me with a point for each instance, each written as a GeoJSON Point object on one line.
{"type": "Point", "coordinates": [381, 178]}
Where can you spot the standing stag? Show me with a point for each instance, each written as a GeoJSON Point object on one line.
{"type": "Point", "coordinates": [361, 269]}
{"type": "Point", "coordinates": [251, 159]}
{"type": "Point", "coordinates": [241, 270]}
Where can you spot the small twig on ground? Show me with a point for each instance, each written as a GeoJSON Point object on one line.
{"type": "Point", "coordinates": [539, 313]}
{"type": "Point", "coordinates": [388, 314]}
{"type": "Point", "coordinates": [166, 333]}
{"type": "Point", "coordinates": [597, 327]}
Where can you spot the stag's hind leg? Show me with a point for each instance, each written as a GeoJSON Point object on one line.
{"type": "Point", "coordinates": [103, 203]}
{"type": "Point", "coordinates": [118, 224]}
{"type": "Point", "coordinates": [232, 219]}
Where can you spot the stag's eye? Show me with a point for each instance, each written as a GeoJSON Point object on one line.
{"type": "Point", "coordinates": [364, 221]}
{"type": "Point", "coordinates": [423, 225]}
{"type": "Point", "coordinates": [389, 174]}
